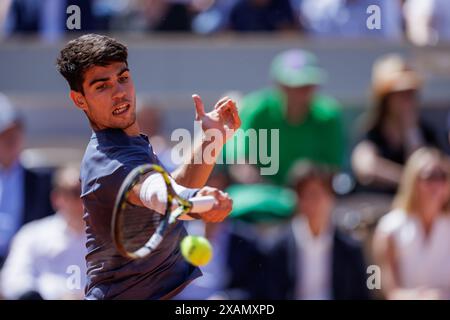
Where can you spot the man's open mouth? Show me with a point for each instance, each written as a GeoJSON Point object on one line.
{"type": "Point", "coordinates": [121, 109]}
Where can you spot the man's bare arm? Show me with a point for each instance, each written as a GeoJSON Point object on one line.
{"type": "Point", "coordinates": [149, 193]}
{"type": "Point", "coordinates": [224, 120]}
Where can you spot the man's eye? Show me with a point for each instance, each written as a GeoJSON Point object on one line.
{"type": "Point", "coordinates": [101, 87]}
{"type": "Point", "coordinates": [123, 79]}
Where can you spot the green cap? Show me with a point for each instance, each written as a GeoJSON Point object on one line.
{"type": "Point", "coordinates": [296, 68]}
{"type": "Point", "coordinates": [261, 202]}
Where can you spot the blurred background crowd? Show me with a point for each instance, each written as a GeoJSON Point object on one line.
{"type": "Point", "coordinates": [420, 21]}
{"type": "Point", "coordinates": [359, 207]}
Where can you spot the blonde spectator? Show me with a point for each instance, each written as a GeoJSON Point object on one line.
{"type": "Point", "coordinates": [411, 242]}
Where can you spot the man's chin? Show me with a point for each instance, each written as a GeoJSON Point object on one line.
{"type": "Point", "coordinates": [126, 125]}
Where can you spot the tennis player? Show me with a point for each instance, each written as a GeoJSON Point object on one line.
{"type": "Point", "coordinates": [101, 85]}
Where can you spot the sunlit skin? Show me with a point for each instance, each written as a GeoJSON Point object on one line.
{"type": "Point", "coordinates": [105, 90]}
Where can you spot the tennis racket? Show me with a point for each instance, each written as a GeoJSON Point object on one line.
{"type": "Point", "coordinates": [138, 231]}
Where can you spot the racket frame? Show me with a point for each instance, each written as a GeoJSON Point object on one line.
{"type": "Point", "coordinates": [170, 216]}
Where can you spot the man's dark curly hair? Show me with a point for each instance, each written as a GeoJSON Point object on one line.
{"type": "Point", "coordinates": [87, 51]}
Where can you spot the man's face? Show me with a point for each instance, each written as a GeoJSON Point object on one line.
{"type": "Point", "coordinates": [315, 200]}
{"type": "Point", "coordinates": [299, 97]}
{"type": "Point", "coordinates": [109, 98]}
{"type": "Point", "coordinates": [11, 145]}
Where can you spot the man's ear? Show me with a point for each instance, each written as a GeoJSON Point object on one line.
{"type": "Point", "coordinates": [78, 99]}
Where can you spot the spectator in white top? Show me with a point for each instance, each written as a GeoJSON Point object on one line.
{"type": "Point", "coordinates": [411, 242]}
{"type": "Point", "coordinates": [46, 260]}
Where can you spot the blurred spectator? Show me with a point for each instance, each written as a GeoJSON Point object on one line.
{"type": "Point", "coordinates": [411, 242]}
{"type": "Point", "coordinates": [4, 9]}
{"type": "Point", "coordinates": [317, 261]}
{"type": "Point", "coordinates": [174, 15]}
{"type": "Point", "coordinates": [24, 194]}
{"type": "Point", "coordinates": [260, 214]}
{"type": "Point", "coordinates": [262, 15]}
{"type": "Point", "coordinates": [241, 267]}
{"type": "Point", "coordinates": [213, 284]}
{"type": "Point", "coordinates": [309, 123]}
{"type": "Point", "coordinates": [150, 119]}
{"type": "Point", "coordinates": [348, 18]}
{"type": "Point", "coordinates": [155, 15]}
{"type": "Point", "coordinates": [427, 21]}
{"type": "Point", "coordinates": [448, 128]}
{"type": "Point", "coordinates": [47, 256]}
{"type": "Point", "coordinates": [46, 17]}
{"type": "Point", "coordinates": [213, 16]}
{"type": "Point", "coordinates": [393, 129]}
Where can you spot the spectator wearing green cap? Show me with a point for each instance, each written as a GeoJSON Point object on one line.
{"type": "Point", "coordinates": [309, 122]}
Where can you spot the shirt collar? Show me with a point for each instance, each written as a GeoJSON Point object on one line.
{"type": "Point", "coordinates": [118, 137]}
{"type": "Point", "coordinates": [305, 238]}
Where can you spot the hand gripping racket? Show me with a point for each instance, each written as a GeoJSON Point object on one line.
{"type": "Point", "coordinates": [131, 225]}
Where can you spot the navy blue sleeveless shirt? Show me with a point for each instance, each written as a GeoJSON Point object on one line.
{"type": "Point", "coordinates": [110, 155]}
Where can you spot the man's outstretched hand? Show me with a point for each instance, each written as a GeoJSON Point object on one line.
{"type": "Point", "coordinates": [224, 117]}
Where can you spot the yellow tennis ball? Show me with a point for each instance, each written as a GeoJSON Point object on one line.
{"type": "Point", "coordinates": [196, 250]}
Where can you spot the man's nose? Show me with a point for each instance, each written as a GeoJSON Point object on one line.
{"type": "Point", "coordinates": [119, 92]}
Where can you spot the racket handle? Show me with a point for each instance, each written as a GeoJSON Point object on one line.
{"type": "Point", "coordinates": [202, 204]}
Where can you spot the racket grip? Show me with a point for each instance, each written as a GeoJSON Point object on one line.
{"type": "Point", "coordinates": [202, 204]}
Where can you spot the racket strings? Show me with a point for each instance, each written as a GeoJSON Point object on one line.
{"type": "Point", "coordinates": [134, 225]}
{"type": "Point", "coordinates": [137, 224]}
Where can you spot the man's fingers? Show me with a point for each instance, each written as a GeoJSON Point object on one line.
{"type": "Point", "coordinates": [221, 195]}
{"type": "Point", "coordinates": [229, 110]}
{"type": "Point", "coordinates": [217, 215]}
{"type": "Point", "coordinates": [224, 203]}
{"type": "Point", "coordinates": [235, 115]}
{"type": "Point", "coordinates": [222, 206]}
{"type": "Point", "coordinates": [224, 106]}
{"type": "Point", "coordinates": [221, 102]}
{"type": "Point", "coordinates": [199, 107]}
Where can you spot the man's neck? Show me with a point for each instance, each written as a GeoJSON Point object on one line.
{"type": "Point", "coordinates": [317, 227]}
{"type": "Point", "coordinates": [296, 114]}
{"type": "Point", "coordinates": [133, 130]}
